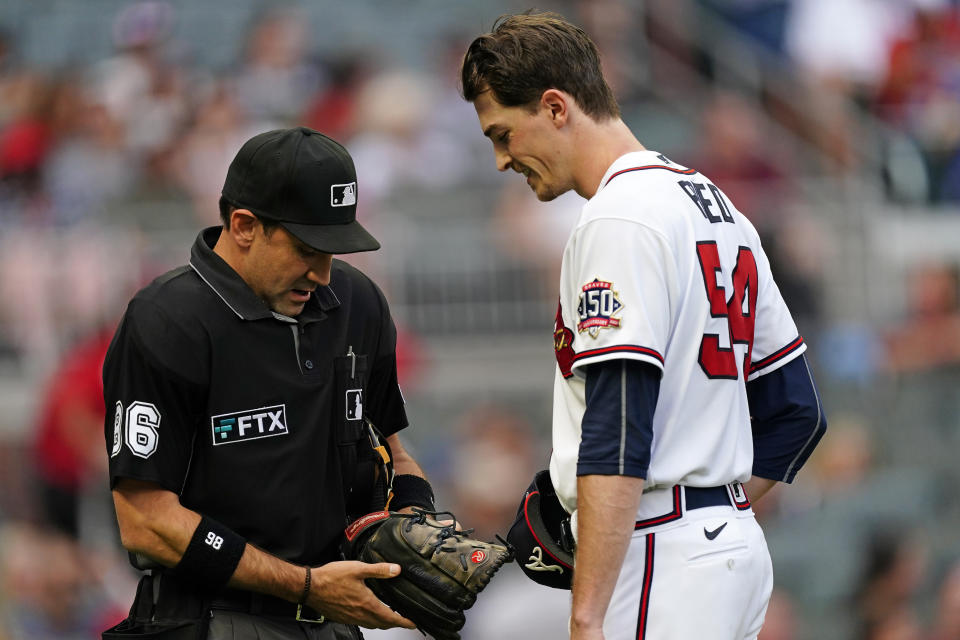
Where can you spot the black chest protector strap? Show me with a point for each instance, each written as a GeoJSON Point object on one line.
{"type": "Point", "coordinates": [367, 468]}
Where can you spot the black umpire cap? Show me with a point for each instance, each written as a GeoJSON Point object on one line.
{"type": "Point", "coordinates": [304, 180]}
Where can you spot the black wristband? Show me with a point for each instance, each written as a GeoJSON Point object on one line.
{"type": "Point", "coordinates": [411, 491]}
{"type": "Point", "coordinates": [212, 555]}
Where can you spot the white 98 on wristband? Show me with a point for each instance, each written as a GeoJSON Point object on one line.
{"type": "Point", "coordinates": [214, 540]}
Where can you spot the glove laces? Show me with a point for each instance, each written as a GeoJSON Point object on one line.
{"type": "Point", "coordinates": [446, 531]}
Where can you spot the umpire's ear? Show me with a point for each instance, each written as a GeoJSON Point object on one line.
{"type": "Point", "coordinates": [243, 225]}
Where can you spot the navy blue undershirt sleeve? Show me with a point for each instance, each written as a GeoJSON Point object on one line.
{"type": "Point", "coordinates": [617, 428]}
{"type": "Point", "coordinates": [787, 419]}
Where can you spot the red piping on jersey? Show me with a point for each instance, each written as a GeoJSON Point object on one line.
{"type": "Point", "coordinates": [526, 516]}
{"type": "Point", "coordinates": [624, 347]}
{"type": "Point", "coordinates": [782, 353]}
{"type": "Point", "coordinates": [686, 172]}
{"type": "Point", "coordinates": [646, 589]}
{"type": "Point", "coordinates": [676, 514]}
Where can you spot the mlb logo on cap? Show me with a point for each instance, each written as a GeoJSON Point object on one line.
{"type": "Point", "coordinates": [343, 195]}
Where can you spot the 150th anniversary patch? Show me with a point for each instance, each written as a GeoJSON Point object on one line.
{"type": "Point", "coordinates": [599, 304]}
{"type": "Point", "coordinates": [251, 424]}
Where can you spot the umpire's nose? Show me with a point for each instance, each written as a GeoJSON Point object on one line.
{"type": "Point", "coordinates": [320, 266]}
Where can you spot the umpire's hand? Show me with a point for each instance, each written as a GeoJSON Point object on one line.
{"type": "Point", "coordinates": [339, 593]}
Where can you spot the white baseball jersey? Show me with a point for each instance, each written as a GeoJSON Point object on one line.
{"type": "Point", "coordinates": [662, 268]}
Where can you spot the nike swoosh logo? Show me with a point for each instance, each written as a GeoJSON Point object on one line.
{"type": "Point", "coordinates": [713, 534]}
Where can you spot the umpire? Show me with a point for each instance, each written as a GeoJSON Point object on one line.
{"type": "Point", "coordinates": [240, 389]}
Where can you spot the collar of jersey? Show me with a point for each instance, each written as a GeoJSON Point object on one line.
{"type": "Point", "coordinates": [627, 160]}
{"type": "Point", "coordinates": [235, 293]}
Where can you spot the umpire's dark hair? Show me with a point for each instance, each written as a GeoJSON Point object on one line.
{"type": "Point", "coordinates": [227, 207]}
{"type": "Point", "coordinates": [526, 54]}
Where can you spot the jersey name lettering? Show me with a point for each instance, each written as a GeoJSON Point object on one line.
{"type": "Point", "coordinates": [697, 192]}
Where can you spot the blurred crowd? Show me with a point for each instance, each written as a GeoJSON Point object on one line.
{"type": "Point", "coordinates": [108, 168]}
{"type": "Point", "coordinates": [894, 61]}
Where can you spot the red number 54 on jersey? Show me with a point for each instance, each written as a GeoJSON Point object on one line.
{"type": "Point", "coordinates": [739, 310]}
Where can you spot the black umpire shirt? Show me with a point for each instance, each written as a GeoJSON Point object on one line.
{"type": "Point", "coordinates": [240, 410]}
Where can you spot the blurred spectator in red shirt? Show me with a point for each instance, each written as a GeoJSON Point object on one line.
{"type": "Point", "coordinates": [921, 94]}
{"type": "Point", "coordinates": [333, 109]}
{"type": "Point", "coordinates": [68, 445]}
{"type": "Point", "coordinates": [26, 138]}
{"type": "Point", "coordinates": [922, 51]}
